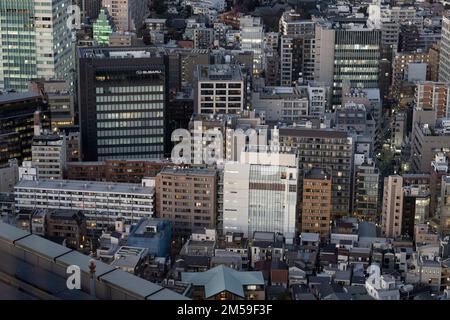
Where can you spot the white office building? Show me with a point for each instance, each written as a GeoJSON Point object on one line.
{"type": "Point", "coordinates": [260, 194]}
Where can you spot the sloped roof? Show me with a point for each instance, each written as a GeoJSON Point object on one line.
{"type": "Point", "coordinates": [222, 278]}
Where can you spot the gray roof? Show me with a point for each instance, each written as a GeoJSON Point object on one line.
{"type": "Point", "coordinates": [10, 233]}
{"type": "Point", "coordinates": [367, 229]}
{"type": "Point", "coordinates": [81, 260]}
{"type": "Point", "coordinates": [42, 247]}
{"type": "Point", "coordinates": [86, 186]}
{"type": "Point", "coordinates": [131, 283]}
{"type": "Point", "coordinates": [222, 278]}
{"type": "Point", "coordinates": [16, 96]}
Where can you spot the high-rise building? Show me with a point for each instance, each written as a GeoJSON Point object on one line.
{"type": "Point", "coordinates": [346, 53]}
{"type": "Point", "coordinates": [49, 156]}
{"type": "Point", "coordinates": [433, 54]}
{"type": "Point", "coordinates": [127, 15]}
{"type": "Point", "coordinates": [102, 29]}
{"type": "Point", "coordinates": [252, 37]}
{"type": "Point", "coordinates": [219, 89]}
{"type": "Point", "coordinates": [366, 191]}
{"type": "Point", "coordinates": [327, 149]}
{"type": "Point", "coordinates": [429, 136]}
{"type": "Point", "coordinates": [316, 203]}
{"type": "Point", "coordinates": [392, 211]}
{"type": "Point", "coordinates": [296, 48]}
{"type": "Point", "coordinates": [89, 8]}
{"type": "Point", "coordinates": [122, 94]}
{"type": "Point", "coordinates": [445, 206]}
{"type": "Point", "coordinates": [416, 208]}
{"type": "Point", "coordinates": [35, 42]}
{"type": "Point", "coordinates": [401, 61]}
{"type": "Point", "coordinates": [260, 194]}
{"type": "Point", "coordinates": [19, 112]}
{"type": "Point", "coordinates": [187, 198]}
{"type": "Point", "coordinates": [444, 54]}
{"type": "Point", "coordinates": [439, 168]}
{"type": "Point", "coordinates": [357, 57]}
{"type": "Point", "coordinates": [433, 96]}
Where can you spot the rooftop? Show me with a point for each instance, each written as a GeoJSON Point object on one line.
{"type": "Point", "coordinates": [222, 278]}
{"type": "Point", "coordinates": [84, 186]}
{"type": "Point", "coordinates": [230, 72]}
{"type": "Point", "coordinates": [17, 96]}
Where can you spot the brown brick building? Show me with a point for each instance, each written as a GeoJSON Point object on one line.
{"type": "Point", "coordinates": [187, 197]}
{"type": "Point", "coordinates": [316, 203]}
{"type": "Point", "coordinates": [127, 171]}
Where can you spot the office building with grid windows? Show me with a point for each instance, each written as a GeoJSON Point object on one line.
{"type": "Point", "coordinates": [122, 94]}
{"type": "Point", "coordinates": [35, 42]}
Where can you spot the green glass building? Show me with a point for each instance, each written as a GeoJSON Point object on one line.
{"type": "Point", "coordinates": [102, 29]}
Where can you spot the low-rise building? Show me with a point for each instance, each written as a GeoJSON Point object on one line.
{"type": "Point", "coordinates": [223, 283]}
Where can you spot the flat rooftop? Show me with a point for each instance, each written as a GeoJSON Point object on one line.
{"type": "Point", "coordinates": [221, 72]}
{"type": "Point", "coordinates": [189, 171]}
{"type": "Point", "coordinates": [17, 96]}
{"type": "Point", "coordinates": [85, 186]}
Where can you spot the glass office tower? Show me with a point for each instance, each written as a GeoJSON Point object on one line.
{"type": "Point", "coordinates": [35, 42]}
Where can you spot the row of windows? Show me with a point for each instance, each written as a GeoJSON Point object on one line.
{"type": "Point", "coordinates": [130, 124]}
{"type": "Point", "coordinates": [142, 140]}
{"type": "Point", "coordinates": [129, 149]}
{"type": "Point", "coordinates": [131, 132]}
{"type": "Point", "coordinates": [130, 106]}
{"type": "Point", "coordinates": [128, 89]}
{"type": "Point", "coordinates": [127, 98]}
{"type": "Point", "coordinates": [129, 115]}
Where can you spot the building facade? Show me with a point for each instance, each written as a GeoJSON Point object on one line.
{"type": "Point", "coordinates": [35, 42]}
{"type": "Point", "coordinates": [122, 94]}
{"type": "Point", "coordinates": [102, 203]}
{"type": "Point", "coordinates": [317, 203]}
{"type": "Point", "coordinates": [187, 198]}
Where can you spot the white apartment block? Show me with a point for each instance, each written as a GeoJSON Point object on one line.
{"type": "Point", "coordinates": [219, 88]}
{"type": "Point", "coordinates": [391, 216]}
{"type": "Point", "coordinates": [101, 202]}
{"type": "Point", "coordinates": [260, 194]}
{"type": "Point", "coordinates": [49, 156]}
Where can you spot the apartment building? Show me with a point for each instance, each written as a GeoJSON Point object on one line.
{"type": "Point", "coordinates": [328, 149]}
{"type": "Point", "coordinates": [392, 210]}
{"type": "Point", "coordinates": [187, 198]}
{"type": "Point", "coordinates": [433, 96]}
{"type": "Point", "coordinates": [102, 203]}
{"type": "Point", "coordinates": [317, 203]}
